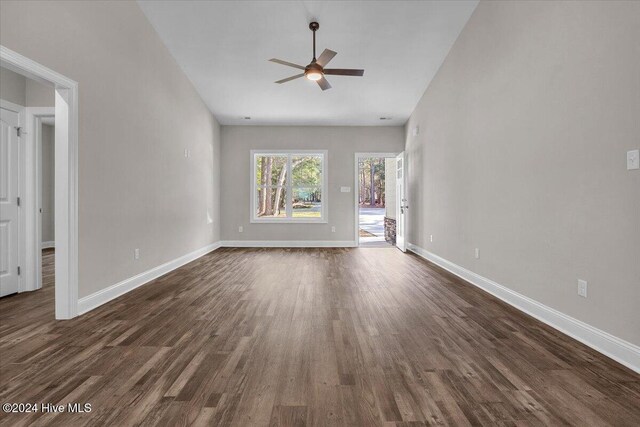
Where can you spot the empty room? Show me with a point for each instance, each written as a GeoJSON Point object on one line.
{"type": "Point", "coordinates": [327, 213]}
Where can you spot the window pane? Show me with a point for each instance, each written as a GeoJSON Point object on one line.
{"type": "Point", "coordinates": [307, 202]}
{"type": "Point", "coordinates": [271, 202]}
{"type": "Point", "coordinates": [271, 170]}
{"type": "Point", "coordinates": [306, 171]}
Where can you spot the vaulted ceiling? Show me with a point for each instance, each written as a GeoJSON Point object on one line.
{"type": "Point", "coordinates": [224, 47]}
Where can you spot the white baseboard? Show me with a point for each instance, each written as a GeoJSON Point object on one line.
{"type": "Point", "coordinates": [611, 346]}
{"type": "Point", "coordinates": [288, 244]}
{"type": "Point", "coordinates": [103, 296]}
{"type": "Point", "coordinates": [47, 245]}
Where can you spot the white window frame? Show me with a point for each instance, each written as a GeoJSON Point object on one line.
{"type": "Point", "coordinates": [324, 217]}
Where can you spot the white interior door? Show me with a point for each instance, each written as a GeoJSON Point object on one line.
{"type": "Point", "coordinates": [10, 120]}
{"type": "Point", "coordinates": [401, 202]}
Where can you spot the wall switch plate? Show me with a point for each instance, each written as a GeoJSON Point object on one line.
{"type": "Point", "coordinates": [136, 253]}
{"type": "Point", "coordinates": [345, 189]}
{"type": "Point", "coordinates": [633, 159]}
{"type": "Point", "coordinates": [240, 229]}
{"type": "Point", "coordinates": [477, 253]}
{"type": "Point", "coordinates": [333, 229]}
{"type": "Point", "coordinates": [582, 288]}
{"type": "Point", "coordinates": [431, 238]}
{"type": "Point", "coordinates": [416, 131]}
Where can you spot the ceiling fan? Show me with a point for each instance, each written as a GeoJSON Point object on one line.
{"type": "Point", "coordinates": [315, 71]}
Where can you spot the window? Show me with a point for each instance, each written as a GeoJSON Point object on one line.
{"type": "Point", "coordinates": [288, 186]}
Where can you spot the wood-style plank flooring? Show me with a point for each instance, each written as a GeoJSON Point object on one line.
{"type": "Point", "coordinates": [358, 337]}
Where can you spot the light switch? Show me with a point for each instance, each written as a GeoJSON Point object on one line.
{"type": "Point", "coordinates": [345, 189]}
{"type": "Point", "coordinates": [582, 288]}
{"type": "Point", "coordinates": [633, 159]}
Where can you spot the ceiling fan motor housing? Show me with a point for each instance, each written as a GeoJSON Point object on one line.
{"type": "Point", "coordinates": [313, 68]}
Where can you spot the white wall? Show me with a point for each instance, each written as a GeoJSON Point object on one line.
{"type": "Point", "coordinates": [39, 95]}
{"type": "Point", "coordinates": [48, 184]}
{"type": "Point", "coordinates": [521, 153]}
{"type": "Point", "coordinates": [137, 114]}
{"type": "Point", "coordinates": [20, 90]}
{"type": "Point", "coordinates": [13, 87]}
{"type": "Point", "coordinates": [341, 142]}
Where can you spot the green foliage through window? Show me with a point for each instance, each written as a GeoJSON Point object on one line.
{"type": "Point", "coordinates": [279, 195]}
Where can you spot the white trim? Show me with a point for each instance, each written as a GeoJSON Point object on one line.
{"type": "Point", "coordinates": [88, 303]}
{"type": "Point", "coordinates": [33, 196]}
{"type": "Point", "coordinates": [288, 244]}
{"type": "Point", "coordinates": [324, 218]}
{"type": "Point", "coordinates": [621, 351]}
{"type": "Point", "coordinates": [22, 232]}
{"type": "Point", "coordinates": [66, 172]}
{"type": "Point", "coordinates": [47, 245]}
{"type": "Point", "coordinates": [356, 189]}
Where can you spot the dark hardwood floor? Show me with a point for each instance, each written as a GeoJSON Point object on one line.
{"type": "Point", "coordinates": [360, 337]}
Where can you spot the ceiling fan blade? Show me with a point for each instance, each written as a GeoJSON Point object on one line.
{"type": "Point", "coordinates": [343, 72]}
{"type": "Point", "coordinates": [289, 64]}
{"type": "Point", "coordinates": [323, 83]}
{"type": "Point", "coordinates": [297, 76]}
{"type": "Point", "coordinates": [326, 56]}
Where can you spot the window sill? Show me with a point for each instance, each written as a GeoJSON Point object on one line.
{"type": "Point", "coordinates": [289, 221]}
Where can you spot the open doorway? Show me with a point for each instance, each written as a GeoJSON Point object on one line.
{"type": "Point", "coordinates": [375, 199]}
{"type": "Point", "coordinates": [44, 135]}
{"type": "Point", "coordinates": [27, 185]}
{"type": "Point", "coordinates": [24, 124]}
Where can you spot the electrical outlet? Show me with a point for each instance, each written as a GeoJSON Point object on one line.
{"type": "Point", "coordinates": [477, 253]}
{"type": "Point", "coordinates": [582, 288]}
{"type": "Point", "coordinates": [240, 229]}
{"type": "Point", "coordinates": [136, 253]}
{"type": "Point", "coordinates": [333, 229]}
{"type": "Point", "coordinates": [431, 238]}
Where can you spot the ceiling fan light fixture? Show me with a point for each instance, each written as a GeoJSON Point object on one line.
{"type": "Point", "coordinates": [313, 75]}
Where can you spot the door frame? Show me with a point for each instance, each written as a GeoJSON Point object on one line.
{"type": "Point", "coordinates": [66, 177]}
{"type": "Point", "coordinates": [356, 188]}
